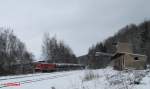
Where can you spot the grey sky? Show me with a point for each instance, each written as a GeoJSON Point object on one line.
{"type": "Point", "coordinates": [80, 23]}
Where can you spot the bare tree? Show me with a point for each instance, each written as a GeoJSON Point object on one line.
{"type": "Point", "coordinates": [12, 51]}
{"type": "Point", "coordinates": [57, 51]}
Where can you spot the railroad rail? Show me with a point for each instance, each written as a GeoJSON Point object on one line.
{"type": "Point", "coordinates": [3, 85]}
{"type": "Point", "coordinates": [25, 76]}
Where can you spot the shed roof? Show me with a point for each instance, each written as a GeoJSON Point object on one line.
{"type": "Point", "coordinates": [118, 54]}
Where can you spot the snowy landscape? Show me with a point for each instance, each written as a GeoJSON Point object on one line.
{"type": "Point", "coordinates": [74, 44]}
{"type": "Point", "coordinates": [81, 79]}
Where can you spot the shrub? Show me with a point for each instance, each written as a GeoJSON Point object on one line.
{"type": "Point", "coordinates": [90, 75]}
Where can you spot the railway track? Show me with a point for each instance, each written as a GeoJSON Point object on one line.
{"type": "Point", "coordinates": [35, 80]}
{"type": "Point", "coordinates": [18, 77]}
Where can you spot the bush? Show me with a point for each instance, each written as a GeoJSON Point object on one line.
{"type": "Point", "coordinates": [90, 75]}
{"type": "Point", "coordinates": [125, 79]}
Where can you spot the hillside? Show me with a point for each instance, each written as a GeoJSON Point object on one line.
{"type": "Point", "coordinates": [136, 35]}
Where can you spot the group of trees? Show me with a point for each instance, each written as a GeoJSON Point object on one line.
{"type": "Point", "coordinates": [94, 61]}
{"type": "Point", "coordinates": [15, 59]}
{"type": "Point", "coordinates": [55, 51]}
{"type": "Point", "coordinates": [12, 52]}
{"type": "Point", "coordinates": [136, 35]}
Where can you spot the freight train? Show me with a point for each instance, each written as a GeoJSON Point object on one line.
{"type": "Point", "coordinates": [42, 66]}
{"type": "Point", "coordinates": [50, 67]}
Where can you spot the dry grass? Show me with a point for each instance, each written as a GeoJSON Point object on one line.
{"type": "Point", "coordinates": [90, 75]}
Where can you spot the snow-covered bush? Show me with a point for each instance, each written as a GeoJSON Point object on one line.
{"type": "Point", "coordinates": [110, 79]}
{"type": "Point", "coordinates": [90, 75]}
{"type": "Point", "coordinates": [125, 79]}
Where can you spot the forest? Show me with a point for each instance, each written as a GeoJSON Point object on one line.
{"type": "Point", "coordinates": [136, 35]}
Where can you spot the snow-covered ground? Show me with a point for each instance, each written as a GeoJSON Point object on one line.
{"type": "Point", "coordinates": [145, 83]}
{"type": "Point", "coordinates": [99, 79]}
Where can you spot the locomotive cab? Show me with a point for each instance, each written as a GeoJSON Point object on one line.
{"type": "Point", "coordinates": [45, 67]}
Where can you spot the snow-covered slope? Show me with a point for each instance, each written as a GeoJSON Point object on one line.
{"type": "Point", "coordinates": [60, 80]}
{"type": "Point", "coordinates": [82, 79]}
{"type": "Point", "coordinates": [145, 83]}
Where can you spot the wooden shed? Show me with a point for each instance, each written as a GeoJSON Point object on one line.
{"type": "Point", "coordinates": [129, 61]}
{"type": "Point", "coordinates": [124, 58]}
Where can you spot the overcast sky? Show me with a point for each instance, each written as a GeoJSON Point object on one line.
{"type": "Point", "coordinates": [80, 23]}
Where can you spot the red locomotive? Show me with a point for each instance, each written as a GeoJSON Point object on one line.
{"type": "Point", "coordinates": [45, 67]}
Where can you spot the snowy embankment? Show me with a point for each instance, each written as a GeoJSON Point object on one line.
{"type": "Point", "coordinates": [83, 79]}
{"type": "Point", "coordinates": [145, 83]}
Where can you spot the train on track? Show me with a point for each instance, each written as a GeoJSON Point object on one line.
{"type": "Point", "coordinates": [42, 66]}
{"type": "Point", "coordinates": [50, 67]}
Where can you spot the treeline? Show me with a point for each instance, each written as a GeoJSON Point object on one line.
{"type": "Point", "coordinates": [55, 51]}
{"type": "Point", "coordinates": [12, 52]}
{"type": "Point", "coordinates": [136, 35]}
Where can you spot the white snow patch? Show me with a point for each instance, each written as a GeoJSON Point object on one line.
{"type": "Point", "coordinates": [107, 79]}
